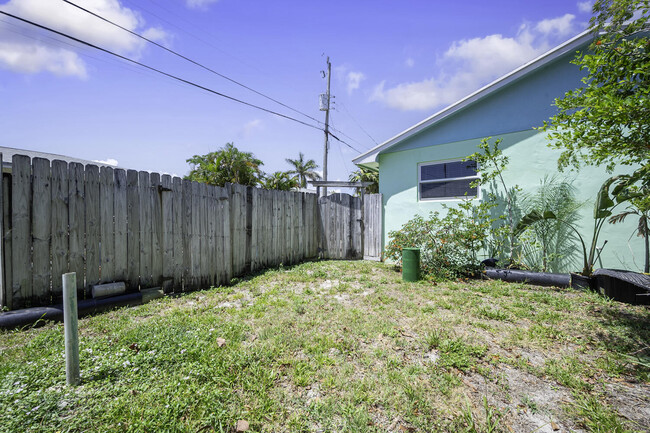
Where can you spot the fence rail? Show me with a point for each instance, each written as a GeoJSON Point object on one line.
{"type": "Point", "coordinates": [152, 230]}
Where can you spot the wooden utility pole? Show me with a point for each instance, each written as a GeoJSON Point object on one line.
{"type": "Point", "coordinates": [327, 120]}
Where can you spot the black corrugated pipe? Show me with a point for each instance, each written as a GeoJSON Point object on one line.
{"type": "Point", "coordinates": [536, 278]}
{"type": "Point", "coordinates": [30, 316]}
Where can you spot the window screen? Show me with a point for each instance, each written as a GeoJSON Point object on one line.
{"type": "Point", "coordinates": [447, 180]}
{"type": "Point", "coordinates": [449, 189]}
{"type": "Point", "coordinates": [447, 170]}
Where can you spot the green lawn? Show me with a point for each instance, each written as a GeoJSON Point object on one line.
{"type": "Point", "coordinates": [340, 347]}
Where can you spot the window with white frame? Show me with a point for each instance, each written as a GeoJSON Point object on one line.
{"type": "Point", "coordinates": [447, 180]}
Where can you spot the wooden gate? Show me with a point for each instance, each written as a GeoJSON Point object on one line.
{"type": "Point", "coordinates": [350, 226]}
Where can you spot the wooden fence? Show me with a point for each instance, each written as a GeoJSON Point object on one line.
{"type": "Point", "coordinates": [350, 226]}
{"type": "Point", "coordinates": [372, 226]}
{"type": "Point", "coordinates": [150, 230]}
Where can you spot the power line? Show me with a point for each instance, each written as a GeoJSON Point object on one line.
{"type": "Point", "coordinates": [83, 51]}
{"type": "Point", "coordinates": [329, 132]}
{"type": "Point", "coordinates": [190, 60]}
{"type": "Point", "coordinates": [357, 123]}
{"type": "Point", "coordinates": [347, 136]}
{"type": "Point", "coordinates": [182, 80]}
{"type": "Point", "coordinates": [342, 141]}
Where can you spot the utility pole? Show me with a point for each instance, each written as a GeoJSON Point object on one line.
{"type": "Point", "coordinates": [326, 105]}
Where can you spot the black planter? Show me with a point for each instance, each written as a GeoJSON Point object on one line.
{"type": "Point", "coordinates": [580, 282]}
{"type": "Point", "coordinates": [623, 286]}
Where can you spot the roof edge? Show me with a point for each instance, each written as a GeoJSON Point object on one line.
{"type": "Point", "coordinates": [371, 155]}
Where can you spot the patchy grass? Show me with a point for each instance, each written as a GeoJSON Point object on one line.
{"type": "Point", "coordinates": [340, 347]}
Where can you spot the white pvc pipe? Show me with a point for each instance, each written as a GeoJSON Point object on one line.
{"type": "Point", "coordinates": [70, 325]}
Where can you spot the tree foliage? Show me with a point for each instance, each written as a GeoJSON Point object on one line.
{"type": "Point", "coordinates": [281, 180]}
{"type": "Point", "coordinates": [226, 165]}
{"type": "Point", "coordinates": [366, 175]}
{"type": "Point", "coordinates": [607, 121]}
{"type": "Point", "coordinates": [303, 170]}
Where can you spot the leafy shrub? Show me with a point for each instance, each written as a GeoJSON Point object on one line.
{"type": "Point", "coordinates": [450, 244]}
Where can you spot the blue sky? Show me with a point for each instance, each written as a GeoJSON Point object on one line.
{"type": "Point", "coordinates": [393, 64]}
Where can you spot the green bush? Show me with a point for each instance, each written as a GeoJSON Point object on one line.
{"type": "Point", "coordinates": [450, 244]}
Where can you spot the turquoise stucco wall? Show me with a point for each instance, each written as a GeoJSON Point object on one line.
{"type": "Point", "coordinates": [530, 160]}
{"type": "Point", "coordinates": [510, 113]}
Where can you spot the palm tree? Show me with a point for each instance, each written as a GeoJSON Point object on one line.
{"type": "Point", "coordinates": [366, 175]}
{"type": "Point", "coordinates": [227, 164]}
{"type": "Point", "coordinates": [303, 170]}
{"type": "Point", "coordinates": [281, 180]}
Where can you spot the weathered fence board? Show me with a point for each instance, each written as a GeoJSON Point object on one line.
{"type": "Point", "coordinates": [167, 203]}
{"type": "Point", "coordinates": [41, 231]}
{"type": "Point", "coordinates": [6, 237]}
{"type": "Point", "coordinates": [133, 230]}
{"type": "Point", "coordinates": [121, 229]}
{"type": "Point", "coordinates": [203, 236]}
{"type": "Point", "coordinates": [60, 246]}
{"type": "Point", "coordinates": [3, 295]}
{"type": "Point", "coordinates": [91, 200]}
{"type": "Point", "coordinates": [107, 227]}
{"type": "Point", "coordinates": [187, 233]}
{"type": "Point", "coordinates": [156, 231]}
{"type": "Point", "coordinates": [372, 219]}
{"type": "Point", "coordinates": [146, 229]}
{"type": "Point", "coordinates": [177, 228]}
{"type": "Point", "coordinates": [21, 231]}
{"type": "Point", "coordinates": [77, 223]}
{"type": "Point", "coordinates": [109, 224]}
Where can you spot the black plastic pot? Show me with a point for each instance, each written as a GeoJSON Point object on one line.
{"type": "Point", "coordinates": [623, 286]}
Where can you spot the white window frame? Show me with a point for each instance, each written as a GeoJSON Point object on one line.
{"type": "Point", "coordinates": [456, 198]}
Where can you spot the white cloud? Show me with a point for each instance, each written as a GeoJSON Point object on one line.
{"type": "Point", "coordinates": [470, 63]}
{"type": "Point", "coordinates": [199, 4]}
{"type": "Point", "coordinates": [561, 26]}
{"type": "Point", "coordinates": [109, 161]}
{"type": "Point", "coordinates": [30, 58]}
{"type": "Point", "coordinates": [250, 127]}
{"type": "Point", "coordinates": [353, 80]}
{"type": "Point", "coordinates": [26, 55]}
{"type": "Point", "coordinates": [585, 6]}
{"type": "Point", "coordinates": [409, 62]}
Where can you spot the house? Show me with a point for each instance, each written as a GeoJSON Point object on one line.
{"type": "Point", "coordinates": [8, 153]}
{"type": "Point", "coordinates": [420, 169]}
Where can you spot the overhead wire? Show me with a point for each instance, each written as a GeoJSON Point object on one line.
{"type": "Point", "coordinates": [191, 60]}
{"type": "Point", "coordinates": [182, 80]}
{"type": "Point", "coordinates": [193, 35]}
{"type": "Point", "coordinates": [357, 123]}
{"type": "Point", "coordinates": [83, 51]}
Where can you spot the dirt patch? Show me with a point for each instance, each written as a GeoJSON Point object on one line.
{"type": "Point", "coordinates": [632, 401]}
{"type": "Point", "coordinates": [527, 402]}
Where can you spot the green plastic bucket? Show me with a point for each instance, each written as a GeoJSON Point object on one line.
{"type": "Point", "coordinates": [410, 264]}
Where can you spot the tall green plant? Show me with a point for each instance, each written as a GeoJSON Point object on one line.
{"type": "Point", "coordinates": [491, 164]}
{"type": "Point", "coordinates": [604, 204]}
{"type": "Point", "coordinates": [551, 245]}
{"type": "Point", "coordinates": [449, 245]}
{"type": "Point", "coordinates": [366, 175]}
{"type": "Point", "coordinates": [280, 180]}
{"type": "Point", "coordinates": [226, 165]}
{"type": "Point", "coordinates": [303, 170]}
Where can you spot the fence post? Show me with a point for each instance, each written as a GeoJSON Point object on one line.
{"type": "Point", "coordinates": [70, 324]}
{"type": "Point", "coordinates": [3, 295]}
